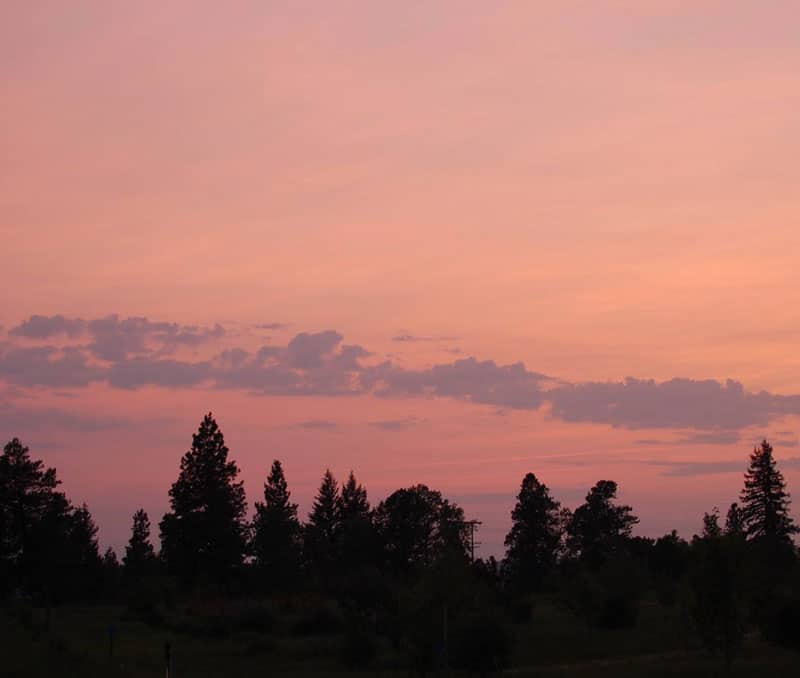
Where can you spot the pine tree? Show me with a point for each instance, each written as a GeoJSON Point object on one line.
{"type": "Point", "coordinates": [599, 527]}
{"type": "Point", "coordinates": [140, 557]}
{"type": "Point", "coordinates": [764, 500]}
{"type": "Point", "coordinates": [533, 543]}
{"type": "Point", "coordinates": [354, 500]}
{"type": "Point", "coordinates": [324, 524]}
{"type": "Point", "coordinates": [26, 488]}
{"type": "Point", "coordinates": [358, 545]}
{"type": "Point", "coordinates": [36, 522]}
{"type": "Point", "coordinates": [276, 532]}
{"type": "Point", "coordinates": [205, 531]}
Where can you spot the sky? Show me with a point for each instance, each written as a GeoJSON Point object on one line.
{"type": "Point", "coordinates": [432, 242]}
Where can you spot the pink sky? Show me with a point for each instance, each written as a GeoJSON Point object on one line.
{"type": "Point", "coordinates": [596, 190]}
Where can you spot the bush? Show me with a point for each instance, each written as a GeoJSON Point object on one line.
{"type": "Point", "coordinates": [258, 618]}
{"type": "Point", "coordinates": [320, 620]}
{"type": "Point", "coordinates": [359, 647]}
{"type": "Point", "coordinates": [482, 643]}
{"type": "Point", "coordinates": [779, 621]}
{"type": "Point", "coordinates": [607, 598]}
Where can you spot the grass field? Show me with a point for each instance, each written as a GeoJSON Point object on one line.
{"type": "Point", "coordinates": [554, 643]}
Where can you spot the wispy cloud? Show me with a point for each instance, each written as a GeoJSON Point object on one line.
{"type": "Point", "coordinates": [317, 425]}
{"type": "Point", "coordinates": [397, 424]}
{"type": "Point", "coordinates": [702, 468]}
{"type": "Point", "coordinates": [697, 438]}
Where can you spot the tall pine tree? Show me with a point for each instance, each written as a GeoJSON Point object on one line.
{"type": "Point", "coordinates": [764, 500]}
{"type": "Point", "coordinates": [533, 543]}
{"type": "Point", "coordinates": [140, 556]}
{"type": "Point", "coordinates": [324, 525]}
{"type": "Point", "coordinates": [276, 532]}
{"type": "Point", "coordinates": [205, 531]}
{"type": "Point", "coordinates": [599, 527]}
{"type": "Point", "coordinates": [358, 543]}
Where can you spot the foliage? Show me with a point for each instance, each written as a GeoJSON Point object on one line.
{"type": "Point", "coordinates": [140, 557]}
{"type": "Point", "coordinates": [716, 585]}
{"type": "Point", "coordinates": [417, 526]}
{"type": "Point", "coordinates": [276, 533]}
{"type": "Point", "coordinates": [324, 527]}
{"type": "Point", "coordinates": [205, 531]}
{"type": "Point", "coordinates": [599, 528]}
{"type": "Point", "coordinates": [532, 545]}
{"type": "Point", "coordinates": [764, 500]}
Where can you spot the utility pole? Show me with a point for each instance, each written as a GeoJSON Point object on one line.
{"type": "Point", "coordinates": [471, 525]}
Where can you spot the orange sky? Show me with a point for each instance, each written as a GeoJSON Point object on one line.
{"type": "Point", "coordinates": [598, 190]}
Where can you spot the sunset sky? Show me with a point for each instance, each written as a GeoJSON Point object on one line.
{"type": "Point", "coordinates": [437, 242]}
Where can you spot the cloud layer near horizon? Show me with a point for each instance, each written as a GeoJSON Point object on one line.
{"type": "Point", "coordinates": [130, 353]}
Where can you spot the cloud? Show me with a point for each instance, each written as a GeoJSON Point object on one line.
{"type": "Point", "coordinates": [727, 437]}
{"type": "Point", "coordinates": [702, 468]}
{"type": "Point", "coordinates": [50, 366]}
{"type": "Point", "coordinates": [317, 425]}
{"type": "Point", "coordinates": [483, 382]}
{"type": "Point", "coordinates": [138, 372]}
{"type": "Point", "coordinates": [307, 351]}
{"type": "Point", "coordinates": [135, 352]}
{"type": "Point", "coordinates": [116, 339]}
{"type": "Point", "coordinates": [411, 338]}
{"type": "Point", "coordinates": [45, 327]}
{"type": "Point", "coordinates": [16, 421]}
{"type": "Point", "coordinates": [271, 326]}
{"type": "Point", "coordinates": [677, 403]}
{"type": "Point", "coordinates": [397, 424]}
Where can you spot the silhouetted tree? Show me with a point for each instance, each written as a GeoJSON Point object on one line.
{"type": "Point", "coordinates": [140, 556]}
{"type": "Point", "coordinates": [26, 492]}
{"type": "Point", "coordinates": [205, 531]}
{"type": "Point", "coordinates": [276, 531]}
{"type": "Point", "coordinates": [599, 527]}
{"type": "Point", "coordinates": [46, 545]}
{"type": "Point", "coordinates": [358, 545]}
{"type": "Point", "coordinates": [532, 545]}
{"type": "Point", "coordinates": [715, 585]}
{"type": "Point", "coordinates": [112, 572]}
{"type": "Point", "coordinates": [417, 525]}
{"type": "Point", "coordinates": [668, 563]}
{"type": "Point", "coordinates": [711, 528]}
{"type": "Point", "coordinates": [764, 500]}
{"type": "Point", "coordinates": [354, 500]}
{"type": "Point", "coordinates": [733, 521]}
{"type": "Point", "coordinates": [324, 525]}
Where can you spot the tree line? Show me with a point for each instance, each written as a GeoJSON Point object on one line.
{"type": "Point", "coordinates": [393, 566]}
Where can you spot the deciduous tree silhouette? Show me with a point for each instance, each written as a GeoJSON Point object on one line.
{"type": "Point", "coordinates": [532, 545]}
{"type": "Point", "coordinates": [733, 521]}
{"type": "Point", "coordinates": [417, 525]}
{"type": "Point", "coordinates": [205, 531]}
{"type": "Point", "coordinates": [711, 527]}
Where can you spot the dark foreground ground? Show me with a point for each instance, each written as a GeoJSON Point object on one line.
{"type": "Point", "coordinates": [554, 643]}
